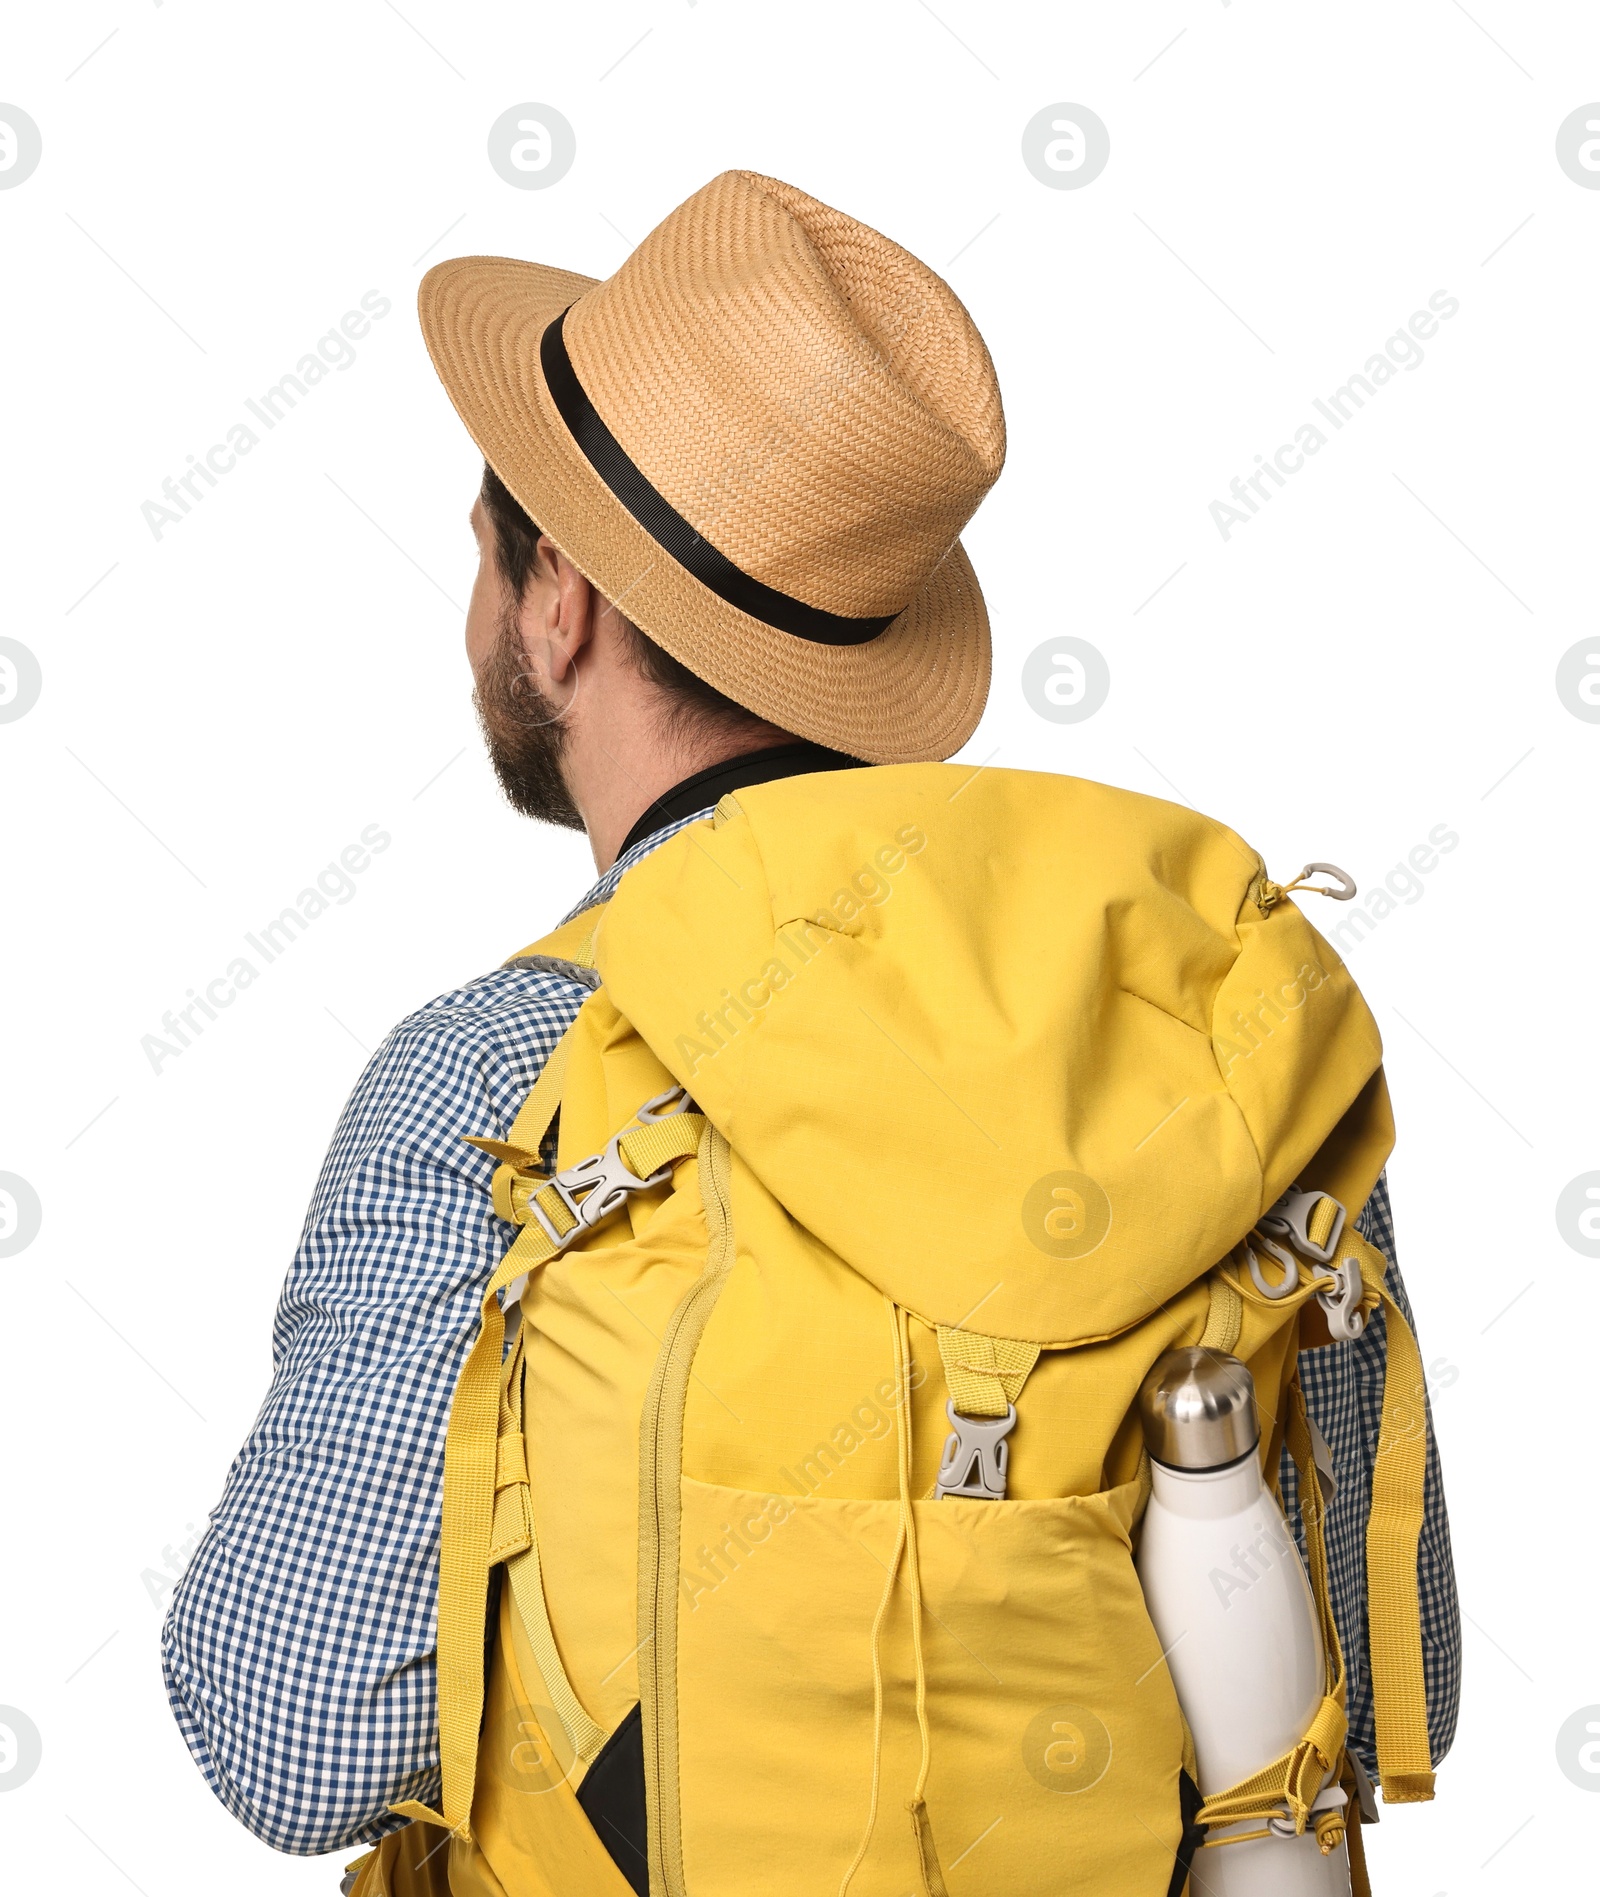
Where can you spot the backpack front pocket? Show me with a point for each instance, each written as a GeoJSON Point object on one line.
{"type": "Point", "coordinates": [1055, 1740]}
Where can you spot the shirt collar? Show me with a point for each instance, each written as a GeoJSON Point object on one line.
{"type": "Point", "coordinates": [605, 888]}
{"type": "Point", "coordinates": [705, 788]}
{"type": "Point", "coordinates": [697, 797]}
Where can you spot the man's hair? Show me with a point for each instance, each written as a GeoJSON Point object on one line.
{"type": "Point", "coordinates": [689, 701]}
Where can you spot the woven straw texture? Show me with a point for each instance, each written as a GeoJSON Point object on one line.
{"type": "Point", "coordinates": [809, 396]}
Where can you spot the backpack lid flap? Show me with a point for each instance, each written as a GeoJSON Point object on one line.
{"type": "Point", "coordinates": [1006, 1040]}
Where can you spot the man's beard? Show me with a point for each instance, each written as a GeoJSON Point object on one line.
{"type": "Point", "coordinates": [523, 730]}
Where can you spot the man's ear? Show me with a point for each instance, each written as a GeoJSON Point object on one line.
{"type": "Point", "coordinates": [571, 613]}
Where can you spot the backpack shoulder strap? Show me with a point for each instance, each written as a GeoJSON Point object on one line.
{"type": "Point", "coordinates": [551, 1214]}
{"type": "Point", "coordinates": [572, 944]}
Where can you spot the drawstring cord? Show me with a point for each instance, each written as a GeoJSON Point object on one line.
{"type": "Point", "coordinates": [922, 1832]}
{"type": "Point", "coordinates": [905, 1545]}
{"type": "Point", "coordinates": [1271, 894]}
{"type": "Point", "coordinates": [877, 1626]}
{"type": "Point", "coordinates": [908, 1520]}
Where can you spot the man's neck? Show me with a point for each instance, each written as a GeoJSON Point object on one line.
{"type": "Point", "coordinates": [615, 784]}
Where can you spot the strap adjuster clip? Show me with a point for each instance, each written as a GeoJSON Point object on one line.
{"type": "Point", "coordinates": [594, 1188]}
{"type": "Point", "coordinates": [1290, 1218]}
{"type": "Point", "coordinates": [976, 1455]}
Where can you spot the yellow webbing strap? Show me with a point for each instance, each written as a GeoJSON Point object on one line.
{"type": "Point", "coordinates": [511, 1461]}
{"type": "Point", "coordinates": [527, 1590]}
{"type": "Point", "coordinates": [1320, 1223]}
{"type": "Point", "coordinates": [1394, 1528]}
{"type": "Point", "coordinates": [648, 1148]}
{"type": "Point", "coordinates": [471, 1467]}
{"type": "Point", "coordinates": [572, 942]}
{"type": "Point", "coordinates": [1292, 1782]}
{"type": "Point", "coordinates": [510, 1526]}
{"type": "Point", "coordinates": [471, 1459]}
{"type": "Point", "coordinates": [1225, 1319]}
{"type": "Point", "coordinates": [984, 1375]}
{"type": "Point", "coordinates": [471, 1464]}
{"type": "Point", "coordinates": [520, 1147]}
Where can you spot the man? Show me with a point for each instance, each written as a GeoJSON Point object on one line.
{"type": "Point", "coordinates": [748, 456]}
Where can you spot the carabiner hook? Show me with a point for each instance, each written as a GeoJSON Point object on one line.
{"type": "Point", "coordinates": [1346, 882]}
{"type": "Point", "coordinates": [1291, 1268]}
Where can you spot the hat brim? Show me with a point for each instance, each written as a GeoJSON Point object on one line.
{"type": "Point", "coordinates": [914, 693]}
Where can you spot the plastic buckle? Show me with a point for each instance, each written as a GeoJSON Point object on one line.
{"type": "Point", "coordinates": [663, 1106]}
{"type": "Point", "coordinates": [596, 1187]}
{"type": "Point", "coordinates": [1290, 1217]}
{"type": "Point", "coordinates": [1291, 1269]}
{"type": "Point", "coordinates": [976, 1455]}
{"type": "Point", "coordinates": [1342, 1305]}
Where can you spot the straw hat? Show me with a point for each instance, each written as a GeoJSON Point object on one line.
{"type": "Point", "coordinates": [760, 438]}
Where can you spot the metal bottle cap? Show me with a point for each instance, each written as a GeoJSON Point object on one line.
{"type": "Point", "coordinates": [1199, 1409]}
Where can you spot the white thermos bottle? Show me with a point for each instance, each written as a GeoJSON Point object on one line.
{"type": "Point", "coordinates": [1232, 1607]}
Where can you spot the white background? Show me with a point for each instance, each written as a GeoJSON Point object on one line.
{"type": "Point", "coordinates": [224, 709]}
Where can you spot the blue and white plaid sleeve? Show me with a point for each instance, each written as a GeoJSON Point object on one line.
{"type": "Point", "coordinates": [1343, 1386]}
{"type": "Point", "coordinates": [299, 1649]}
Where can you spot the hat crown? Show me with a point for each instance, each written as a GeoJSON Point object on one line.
{"type": "Point", "coordinates": [809, 396]}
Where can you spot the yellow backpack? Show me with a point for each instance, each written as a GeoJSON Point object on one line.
{"type": "Point", "coordinates": [899, 1088]}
